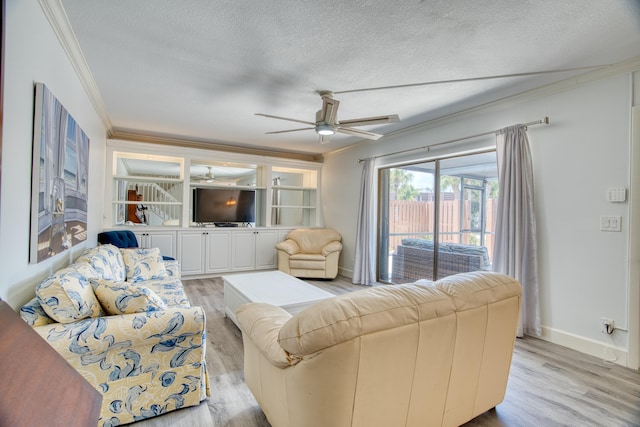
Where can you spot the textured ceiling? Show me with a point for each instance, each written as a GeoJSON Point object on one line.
{"type": "Point", "coordinates": [201, 69]}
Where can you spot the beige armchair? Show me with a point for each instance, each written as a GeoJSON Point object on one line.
{"type": "Point", "coordinates": [310, 253]}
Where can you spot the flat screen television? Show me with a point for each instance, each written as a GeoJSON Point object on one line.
{"type": "Point", "coordinates": [224, 206]}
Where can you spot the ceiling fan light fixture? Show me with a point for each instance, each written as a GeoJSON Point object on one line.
{"type": "Point", "coordinates": [325, 129]}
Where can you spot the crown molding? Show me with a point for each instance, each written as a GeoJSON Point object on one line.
{"type": "Point", "coordinates": [59, 21]}
{"type": "Point", "coordinates": [128, 135]}
{"type": "Point", "coordinates": [628, 66]}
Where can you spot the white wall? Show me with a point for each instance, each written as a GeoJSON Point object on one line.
{"type": "Point", "coordinates": [583, 271]}
{"type": "Point", "coordinates": [33, 54]}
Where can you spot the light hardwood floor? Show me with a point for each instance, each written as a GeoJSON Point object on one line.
{"type": "Point", "coordinates": [549, 385]}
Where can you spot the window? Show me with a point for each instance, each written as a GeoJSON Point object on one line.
{"type": "Point", "coordinates": [430, 231]}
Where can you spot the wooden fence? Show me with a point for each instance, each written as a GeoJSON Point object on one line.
{"type": "Point", "coordinates": [415, 219]}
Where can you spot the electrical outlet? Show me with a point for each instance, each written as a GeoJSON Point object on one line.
{"type": "Point", "coordinates": [606, 326]}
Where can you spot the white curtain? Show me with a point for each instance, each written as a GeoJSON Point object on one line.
{"type": "Point", "coordinates": [515, 251]}
{"type": "Point", "coordinates": [364, 270]}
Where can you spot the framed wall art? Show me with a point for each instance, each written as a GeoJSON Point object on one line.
{"type": "Point", "coordinates": [59, 179]}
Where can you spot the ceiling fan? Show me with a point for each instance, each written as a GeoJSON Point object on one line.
{"type": "Point", "coordinates": [208, 177]}
{"type": "Point", "coordinates": [327, 122]}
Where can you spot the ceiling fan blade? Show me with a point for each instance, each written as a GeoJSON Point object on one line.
{"type": "Point", "coordinates": [285, 118]}
{"type": "Point", "coordinates": [289, 130]}
{"type": "Point", "coordinates": [367, 121]}
{"type": "Point", "coordinates": [324, 139]}
{"type": "Point", "coordinates": [329, 112]}
{"type": "Point", "coordinates": [360, 133]}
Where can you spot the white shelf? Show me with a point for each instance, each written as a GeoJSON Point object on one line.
{"type": "Point", "coordinates": [144, 202]}
{"type": "Point", "coordinates": [293, 187]}
{"type": "Point", "coordinates": [133, 178]}
{"type": "Point", "coordinates": [213, 185]}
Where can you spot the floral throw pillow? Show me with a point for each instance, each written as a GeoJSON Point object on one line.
{"type": "Point", "coordinates": [33, 313]}
{"type": "Point", "coordinates": [143, 264]}
{"type": "Point", "coordinates": [66, 296]}
{"type": "Point", "coordinates": [126, 298]}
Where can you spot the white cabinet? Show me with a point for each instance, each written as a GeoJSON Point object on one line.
{"type": "Point", "coordinates": [191, 252]}
{"type": "Point", "coordinates": [210, 251]}
{"type": "Point", "coordinates": [164, 240]}
{"type": "Point", "coordinates": [254, 249]}
{"type": "Point", "coordinates": [204, 252]}
{"type": "Point", "coordinates": [218, 251]}
{"type": "Point", "coordinates": [243, 250]}
{"type": "Point", "coordinates": [266, 241]}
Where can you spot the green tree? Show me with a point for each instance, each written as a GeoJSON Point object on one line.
{"type": "Point", "coordinates": [408, 192]}
{"type": "Point", "coordinates": [402, 188]}
{"type": "Point", "coordinates": [493, 189]}
{"type": "Point", "coordinates": [450, 183]}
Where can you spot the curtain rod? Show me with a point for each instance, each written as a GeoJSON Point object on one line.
{"type": "Point", "coordinates": [543, 121]}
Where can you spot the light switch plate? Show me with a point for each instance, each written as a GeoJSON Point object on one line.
{"type": "Point", "coordinates": [610, 223]}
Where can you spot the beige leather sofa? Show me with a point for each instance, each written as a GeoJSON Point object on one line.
{"type": "Point", "coordinates": [311, 253]}
{"type": "Point", "coordinates": [400, 355]}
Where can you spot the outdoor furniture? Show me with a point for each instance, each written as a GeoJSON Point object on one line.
{"type": "Point", "coordinates": [413, 260]}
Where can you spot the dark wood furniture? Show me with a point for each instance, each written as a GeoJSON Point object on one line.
{"type": "Point", "coordinates": [132, 196]}
{"type": "Point", "coordinates": [38, 387]}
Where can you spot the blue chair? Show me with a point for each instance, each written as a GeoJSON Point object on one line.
{"type": "Point", "coordinates": [122, 239]}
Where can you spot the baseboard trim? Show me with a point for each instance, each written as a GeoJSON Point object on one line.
{"type": "Point", "coordinates": [607, 352]}
{"type": "Point", "coordinates": [345, 272]}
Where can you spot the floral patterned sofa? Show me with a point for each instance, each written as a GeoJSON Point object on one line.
{"type": "Point", "coordinates": [121, 318]}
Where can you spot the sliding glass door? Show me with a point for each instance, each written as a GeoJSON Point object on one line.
{"type": "Point", "coordinates": [430, 231]}
{"type": "Point", "coordinates": [407, 217]}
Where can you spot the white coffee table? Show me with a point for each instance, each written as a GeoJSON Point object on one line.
{"type": "Point", "coordinates": [272, 287]}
